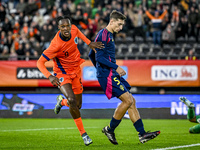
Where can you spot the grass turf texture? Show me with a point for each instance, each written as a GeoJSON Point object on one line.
{"type": "Point", "coordinates": [58, 134]}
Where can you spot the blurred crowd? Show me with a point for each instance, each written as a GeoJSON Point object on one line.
{"type": "Point", "coordinates": [27, 26]}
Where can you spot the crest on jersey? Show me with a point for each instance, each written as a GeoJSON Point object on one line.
{"type": "Point", "coordinates": [76, 40]}
{"type": "Point", "coordinates": [61, 79]}
{"type": "Point", "coordinates": [121, 87]}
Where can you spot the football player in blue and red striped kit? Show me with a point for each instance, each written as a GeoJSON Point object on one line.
{"type": "Point", "coordinates": [109, 75]}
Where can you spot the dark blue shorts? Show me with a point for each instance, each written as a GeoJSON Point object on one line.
{"type": "Point", "coordinates": [114, 86]}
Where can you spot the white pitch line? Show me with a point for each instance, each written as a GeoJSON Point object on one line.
{"type": "Point", "coordinates": [176, 147]}
{"type": "Point", "coordinates": [22, 130]}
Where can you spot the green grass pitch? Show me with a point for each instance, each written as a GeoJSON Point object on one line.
{"type": "Point", "coordinates": [62, 134]}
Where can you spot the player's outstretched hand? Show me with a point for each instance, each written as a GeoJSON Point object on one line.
{"type": "Point", "coordinates": [54, 80]}
{"type": "Point", "coordinates": [94, 45]}
{"type": "Point", "coordinates": [120, 71]}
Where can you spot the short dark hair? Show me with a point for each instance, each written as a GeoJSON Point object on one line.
{"type": "Point", "coordinates": [62, 17]}
{"type": "Point", "coordinates": [117, 15]}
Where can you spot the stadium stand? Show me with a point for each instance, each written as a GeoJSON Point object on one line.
{"type": "Point", "coordinates": [38, 25]}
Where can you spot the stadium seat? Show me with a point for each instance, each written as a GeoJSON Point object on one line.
{"type": "Point", "coordinates": [119, 56]}
{"type": "Point", "coordinates": [167, 49]}
{"type": "Point", "coordinates": [145, 49]}
{"type": "Point", "coordinates": [156, 49]}
{"type": "Point", "coordinates": [187, 48]}
{"type": "Point", "coordinates": [131, 57]}
{"type": "Point", "coordinates": [122, 49]}
{"type": "Point", "coordinates": [197, 49]}
{"type": "Point", "coordinates": [134, 49]}
{"type": "Point", "coordinates": [181, 40]}
{"type": "Point", "coordinates": [152, 57]}
{"type": "Point", "coordinates": [139, 40]}
{"type": "Point", "coordinates": [177, 49]}
{"type": "Point", "coordinates": [119, 40]}
{"type": "Point", "coordinates": [191, 40]}
{"type": "Point", "coordinates": [172, 57]}
{"type": "Point", "coordinates": [175, 52]}
{"type": "Point", "coordinates": [116, 48]}
{"type": "Point", "coordinates": [142, 56]}
{"type": "Point", "coordinates": [129, 39]}
{"type": "Point", "coordinates": [182, 57]}
{"type": "Point", "coordinates": [164, 57]}
{"type": "Point", "coordinates": [118, 53]}
{"type": "Point", "coordinates": [149, 40]}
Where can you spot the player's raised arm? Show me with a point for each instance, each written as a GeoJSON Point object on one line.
{"type": "Point", "coordinates": [92, 45]}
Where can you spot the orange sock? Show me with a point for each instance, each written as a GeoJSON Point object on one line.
{"type": "Point", "coordinates": [64, 103]}
{"type": "Point", "coordinates": [79, 125]}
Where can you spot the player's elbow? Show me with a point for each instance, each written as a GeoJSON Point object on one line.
{"type": "Point", "coordinates": [38, 63]}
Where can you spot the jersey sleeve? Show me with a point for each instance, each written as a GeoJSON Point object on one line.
{"type": "Point", "coordinates": [163, 14]}
{"type": "Point", "coordinates": [41, 66]}
{"type": "Point", "coordinates": [83, 37]}
{"type": "Point", "coordinates": [47, 55]}
{"type": "Point", "coordinates": [149, 15]}
{"type": "Point", "coordinates": [100, 54]}
{"type": "Point", "coordinates": [101, 59]}
{"type": "Point", "coordinates": [52, 50]}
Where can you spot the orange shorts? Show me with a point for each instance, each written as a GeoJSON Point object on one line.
{"type": "Point", "coordinates": [74, 79]}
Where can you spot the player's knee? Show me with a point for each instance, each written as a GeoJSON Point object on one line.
{"type": "Point", "coordinates": [129, 102]}
{"type": "Point", "coordinates": [71, 101]}
{"type": "Point", "coordinates": [133, 99]}
{"type": "Point", "coordinates": [126, 99]}
{"type": "Point", "coordinates": [79, 106]}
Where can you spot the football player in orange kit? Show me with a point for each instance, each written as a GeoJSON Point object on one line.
{"type": "Point", "coordinates": [67, 72]}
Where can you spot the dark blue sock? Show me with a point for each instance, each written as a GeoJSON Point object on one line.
{"type": "Point", "coordinates": [113, 124]}
{"type": "Point", "coordinates": [139, 126]}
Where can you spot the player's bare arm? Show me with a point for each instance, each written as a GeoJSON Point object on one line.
{"type": "Point", "coordinates": [54, 80]}
{"type": "Point", "coordinates": [120, 71]}
{"type": "Point", "coordinates": [94, 45]}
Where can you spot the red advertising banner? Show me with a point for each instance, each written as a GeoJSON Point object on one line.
{"type": "Point", "coordinates": [165, 73]}
{"type": "Point", "coordinates": [22, 74]}
{"type": "Point", "coordinates": [173, 73]}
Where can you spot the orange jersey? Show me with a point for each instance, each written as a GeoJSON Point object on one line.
{"type": "Point", "coordinates": [65, 54]}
